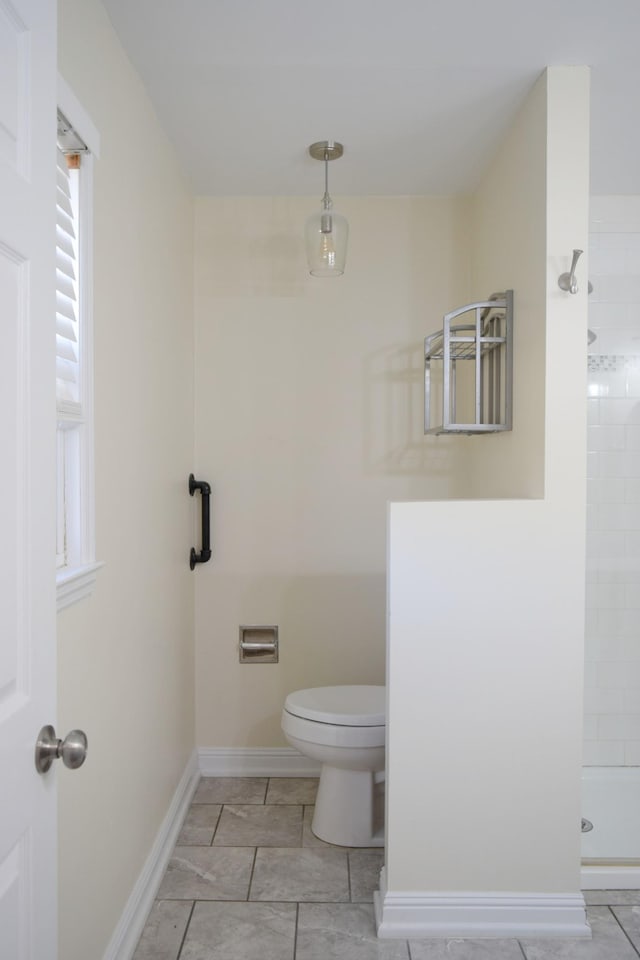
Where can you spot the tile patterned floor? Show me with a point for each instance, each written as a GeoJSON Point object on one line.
{"type": "Point", "coordinates": [248, 880]}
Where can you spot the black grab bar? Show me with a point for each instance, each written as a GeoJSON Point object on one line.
{"type": "Point", "coordinates": [205, 490]}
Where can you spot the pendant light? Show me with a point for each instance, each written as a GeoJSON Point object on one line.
{"type": "Point", "coordinates": [326, 232]}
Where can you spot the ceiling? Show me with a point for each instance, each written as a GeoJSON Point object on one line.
{"type": "Point", "coordinates": [419, 91]}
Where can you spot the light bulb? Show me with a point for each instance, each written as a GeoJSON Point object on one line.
{"type": "Point", "coordinates": [328, 251]}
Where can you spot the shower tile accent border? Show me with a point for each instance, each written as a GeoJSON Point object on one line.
{"type": "Point", "coordinates": [612, 363]}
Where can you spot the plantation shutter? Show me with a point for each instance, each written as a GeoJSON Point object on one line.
{"type": "Point", "coordinates": [67, 330]}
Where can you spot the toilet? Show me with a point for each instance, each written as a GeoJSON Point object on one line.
{"type": "Point", "coordinates": [344, 729]}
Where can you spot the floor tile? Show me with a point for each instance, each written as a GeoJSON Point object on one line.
{"type": "Point", "coordinates": [302, 875]}
{"type": "Point", "coordinates": [292, 790]}
{"type": "Point", "coordinates": [364, 873]}
{"type": "Point", "coordinates": [253, 825]}
{"type": "Point", "coordinates": [465, 950]}
{"type": "Point", "coordinates": [611, 897]}
{"type": "Point", "coordinates": [327, 887]}
{"type": "Point", "coordinates": [231, 790]}
{"type": "Point", "coordinates": [336, 931]}
{"type": "Point", "coordinates": [629, 919]}
{"type": "Point", "coordinates": [200, 824]}
{"type": "Point", "coordinates": [608, 943]}
{"type": "Point", "coordinates": [207, 873]}
{"type": "Point", "coordinates": [241, 931]}
{"type": "Point", "coordinates": [164, 930]}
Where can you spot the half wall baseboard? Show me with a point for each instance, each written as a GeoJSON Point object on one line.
{"type": "Point", "coordinates": [478, 915]}
{"type": "Point", "coordinates": [610, 876]}
{"type": "Point", "coordinates": [255, 762]}
{"type": "Point", "coordinates": [127, 933]}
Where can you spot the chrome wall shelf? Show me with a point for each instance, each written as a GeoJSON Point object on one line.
{"type": "Point", "coordinates": [468, 369]}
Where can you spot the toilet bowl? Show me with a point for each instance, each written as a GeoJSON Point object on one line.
{"type": "Point", "coordinates": [344, 729]}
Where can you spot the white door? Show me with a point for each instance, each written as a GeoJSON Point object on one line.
{"type": "Point", "coordinates": [27, 475]}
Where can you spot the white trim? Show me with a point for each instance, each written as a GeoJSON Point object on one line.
{"type": "Point", "coordinates": [255, 762]}
{"type": "Point", "coordinates": [75, 583]}
{"type": "Point", "coordinates": [610, 877]}
{"type": "Point", "coordinates": [129, 929]}
{"type": "Point", "coordinates": [483, 915]}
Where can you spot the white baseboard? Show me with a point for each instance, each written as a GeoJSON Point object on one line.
{"type": "Point", "coordinates": [478, 915]}
{"type": "Point", "coordinates": [255, 762]}
{"type": "Point", "coordinates": [610, 877]}
{"type": "Point", "coordinates": [127, 933]}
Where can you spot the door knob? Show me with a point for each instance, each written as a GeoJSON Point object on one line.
{"type": "Point", "coordinates": [73, 749]}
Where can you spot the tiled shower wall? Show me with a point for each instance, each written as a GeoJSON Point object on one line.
{"type": "Point", "coordinates": [612, 680]}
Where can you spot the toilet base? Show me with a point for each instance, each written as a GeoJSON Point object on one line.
{"type": "Point", "coordinates": [349, 808]}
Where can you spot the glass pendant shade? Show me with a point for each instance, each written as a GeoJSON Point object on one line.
{"type": "Point", "coordinates": [326, 235]}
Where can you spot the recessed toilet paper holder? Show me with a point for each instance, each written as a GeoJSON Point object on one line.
{"type": "Point", "coordinates": [258, 644]}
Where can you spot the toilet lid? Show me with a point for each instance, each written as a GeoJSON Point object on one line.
{"type": "Point", "coordinates": [357, 706]}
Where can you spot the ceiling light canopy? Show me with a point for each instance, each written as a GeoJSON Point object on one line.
{"type": "Point", "coordinates": [326, 232]}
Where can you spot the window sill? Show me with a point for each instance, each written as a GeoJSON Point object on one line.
{"type": "Point", "coordinates": [75, 583]}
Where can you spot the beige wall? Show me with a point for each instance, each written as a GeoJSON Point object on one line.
{"type": "Point", "coordinates": [308, 420]}
{"type": "Point", "coordinates": [487, 597]}
{"type": "Point", "coordinates": [125, 655]}
{"type": "Point", "coordinates": [509, 223]}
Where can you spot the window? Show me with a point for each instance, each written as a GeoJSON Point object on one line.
{"type": "Point", "coordinates": [75, 542]}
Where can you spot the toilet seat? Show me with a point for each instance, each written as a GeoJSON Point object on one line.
{"type": "Point", "coordinates": [347, 706]}
{"type": "Point", "coordinates": [332, 734]}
